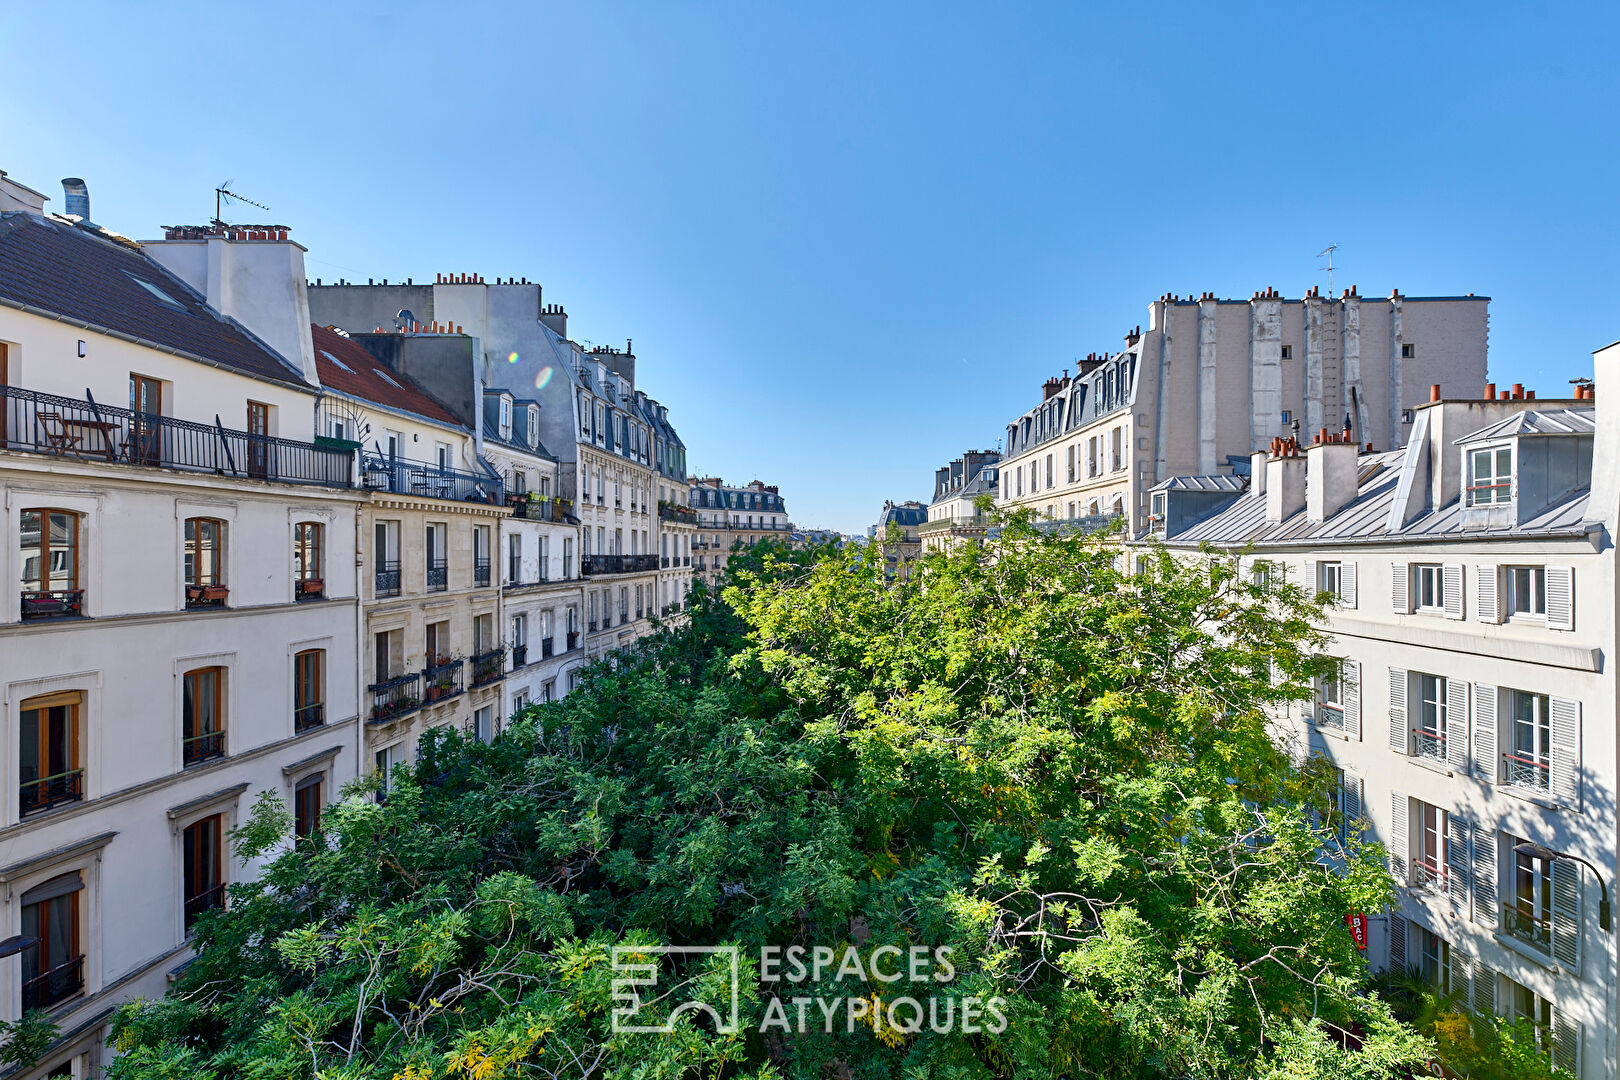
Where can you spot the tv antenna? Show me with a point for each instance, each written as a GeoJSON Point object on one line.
{"type": "Point", "coordinates": [222, 193]}
{"type": "Point", "coordinates": [1328, 253]}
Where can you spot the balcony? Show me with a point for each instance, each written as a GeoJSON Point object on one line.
{"type": "Point", "coordinates": [207, 900]}
{"type": "Point", "coordinates": [396, 697]}
{"type": "Point", "coordinates": [591, 626]}
{"type": "Point", "coordinates": [203, 597]}
{"type": "Point", "coordinates": [617, 564]}
{"type": "Point", "coordinates": [1520, 923]}
{"type": "Point", "coordinates": [308, 717]}
{"type": "Point", "coordinates": [311, 589]}
{"type": "Point", "coordinates": [664, 562]}
{"type": "Point", "coordinates": [542, 508]}
{"type": "Point", "coordinates": [1330, 717]}
{"type": "Point", "coordinates": [481, 573]}
{"type": "Point", "coordinates": [686, 560]}
{"type": "Point", "coordinates": [1429, 744]}
{"type": "Point", "coordinates": [1428, 874]}
{"type": "Point", "coordinates": [438, 576]}
{"type": "Point", "coordinates": [68, 427]}
{"type": "Point", "coordinates": [403, 477]}
{"type": "Point", "coordinates": [546, 647]}
{"type": "Point", "coordinates": [58, 984]}
{"type": "Point", "coordinates": [51, 791]}
{"type": "Point", "coordinates": [668, 511]}
{"type": "Point", "coordinates": [196, 749]}
{"type": "Point", "coordinates": [489, 667]}
{"type": "Point", "coordinates": [520, 656]}
{"type": "Point", "coordinates": [441, 682]}
{"type": "Point", "coordinates": [1524, 771]}
{"type": "Point", "coordinates": [573, 639]}
{"type": "Point", "coordinates": [388, 578]}
{"type": "Point", "coordinates": [52, 603]}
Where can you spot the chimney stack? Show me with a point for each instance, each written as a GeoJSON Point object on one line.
{"type": "Point", "coordinates": [1285, 481]}
{"type": "Point", "coordinates": [76, 196]}
{"type": "Point", "coordinates": [1331, 477]}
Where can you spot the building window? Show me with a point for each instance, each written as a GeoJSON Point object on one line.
{"type": "Point", "coordinates": [205, 557]}
{"type": "Point", "coordinates": [203, 715]}
{"type": "Point", "coordinates": [1287, 352]}
{"type": "Point", "coordinates": [384, 762]}
{"type": "Point", "coordinates": [1429, 868]}
{"type": "Point", "coordinates": [483, 723]}
{"type": "Point", "coordinates": [53, 967]}
{"type": "Point", "coordinates": [309, 689]}
{"type": "Point", "coordinates": [385, 558]}
{"type": "Point", "coordinates": [624, 604]}
{"type": "Point", "coordinates": [307, 560]}
{"type": "Point", "coordinates": [50, 765]}
{"type": "Point", "coordinates": [1431, 587]}
{"type": "Point", "coordinates": [1429, 732]}
{"type": "Point", "coordinates": [1526, 591]}
{"type": "Point", "coordinates": [1050, 475]}
{"type": "Point", "coordinates": [307, 803]}
{"type": "Point", "coordinates": [438, 565]}
{"type": "Point", "coordinates": [1490, 476]}
{"type": "Point", "coordinates": [1434, 959]}
{"type": "Point", "coordinates": [506, 418]}
{"type": "Point", "coordinates": [514, 559]}
{"type": "Point", "coordinates": [1527, 916]}
{"type": "Point", "coordinates": [204, 884]}
{"type": "Point", "coordinates": [50, 564]}
{"type": "Point", "coordinates": [1529, 761]}
{"type": "Point", "coordinates": [1330, 698]}
{"type": "Point", "coordinates": [1408, 352]}
{"type": "Point", "coordinates": [1329, 575]}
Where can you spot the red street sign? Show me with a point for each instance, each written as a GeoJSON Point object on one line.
{"type": "Point", "coordinates": [1358, 929]}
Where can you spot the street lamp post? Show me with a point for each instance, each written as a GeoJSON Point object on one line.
{"type": "Point", "coordinates": [1542, 851]}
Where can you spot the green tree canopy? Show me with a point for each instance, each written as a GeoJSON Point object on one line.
{"type": "Point", "coordinates": [1056, 774]}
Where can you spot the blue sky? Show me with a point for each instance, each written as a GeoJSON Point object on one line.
{"type": "Point", "coordinates": [850, 241]}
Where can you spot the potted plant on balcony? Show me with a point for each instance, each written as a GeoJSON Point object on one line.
{"type": "Point", "coordinates": [215, 593]}
{"type": "Point", "coordinates": [311, 586]}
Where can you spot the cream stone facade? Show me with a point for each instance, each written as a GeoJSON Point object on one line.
{"type": "Point", "coordinates": [954, 516]}
{"type": "Point", "coordinates": [730, 516]}
{"type": "Point", "coordinates": [1473, 582]}
{"type": "Point", "coordinates": [181, 641]}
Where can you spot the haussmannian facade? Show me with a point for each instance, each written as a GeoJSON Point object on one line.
{"type": "Point", "coordinates": [728, 516]}
{"type": "Point", "coordinates": [954, 516]}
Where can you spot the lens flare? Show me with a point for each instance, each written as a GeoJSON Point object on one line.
{"type": "Point", "coordinates": [512, 359]}
{"type": "Point", "coordinates": [541, 379]}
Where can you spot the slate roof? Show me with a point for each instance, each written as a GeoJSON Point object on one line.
{"type": "Point", "coordinates": [1204, 483]}
{"type": "Point", "coordinates": [81, 273]}
{"type": "Point", "coordinates": [350, 369]}
{"type": "Point", "coordinates": [985, 482]}
{"type": "Point", "coordinates": [1537, 422]}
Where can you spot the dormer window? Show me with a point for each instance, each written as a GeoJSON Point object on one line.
{"type": "Point", "coordinates": [534, 426]}
{"type": "Point", "coordinates": [1490, 475]}
{"type": "Point", "coordinates": [506, 419]}
{"type": "Point", "coordinates": [1161, 502]}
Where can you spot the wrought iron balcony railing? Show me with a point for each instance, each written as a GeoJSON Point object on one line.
{"type": "Point", "coordinates": [207, 900]}
{"type": "Point", "coordinates": [546, 647]}
{"type": "Point", "coordinates": [480, 573]}
{"type": "Point", "coordinates": [1524, 771]}
{"type": "Point", "coordinates": [388, 578]}
{"type": "Point", "coordinates": [396, 697]}
{"type": "Point", "coordinates": [48, 791]}
{"type": "Point", "coordinates": [520, 656]}
{"type": "Point", "coordinates": [1329, 716]}
{"type": "Point", "coordinates": [403, 477]}
{"type": "Point", "coordinates": [441, 682]}
{"type": "Point", "coordinates": [542, 508]}
{"type": "Point", "coordinates": [573, 639]}
{"type": "Point", "coordinates": [84, 428]}
{"type": "Point", "coordinates": [52, 603]}
{"type": "Point", "coordinates": [489, 667]}
{"type": "Point", "coordinates": [1520, 923]}
{"type": "Point", "coordinates": [307, 717]}
{"type": "Point", "coordinates": [618, 564]}
{"type": "Point", "coordinates": [1429, 744]}
{"type": "Point", "coordinates": [1427, 874]}
{"type": "Point", "coordinates": [58, 984]}
{"type": "Point", "coordinates": [438, 576]}
{"type": "Point", "coordinates": [202, 747]}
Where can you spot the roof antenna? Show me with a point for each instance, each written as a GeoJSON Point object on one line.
{"type": "Point", "coordinates": [221, 193]}
{"type": "Point", "coordinates": [1328, 252]}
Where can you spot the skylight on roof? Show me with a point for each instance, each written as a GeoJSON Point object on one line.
{"type": "Point", "coordinates": [338, 362]}
{"type": "Point", "coordinates": [161, 296]}
{"type": "Point", "coordinates": [387, 378]}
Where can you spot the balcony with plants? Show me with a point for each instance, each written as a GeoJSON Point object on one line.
{"type": "Point", "coordinates": [401, 476]}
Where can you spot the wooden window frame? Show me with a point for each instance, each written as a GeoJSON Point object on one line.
{"type": "Point", "coordinates": [73, 787]}
{"type": "Point", "coordinates": [195, 738]}
{"type": "Point", "coordinates": [309, 714]}
{"type": "Point", "coordinates": [192, 549]}
{"type": "Point", "coordinates": [191, 847]}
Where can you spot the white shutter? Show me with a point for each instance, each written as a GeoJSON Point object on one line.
{"type": "Point", "coordinates": [1560, 597]}
{"type": "Point", "coordinates": [1397, 945]}
{"type": "Point", "coordinates": [1484, 990]}
{"type": "Point", "coordinates": [1566, 1042]}
{"type": "Point", "coordinates": [1347, 584]}
{"type": "Point", "coordinates": [1400, 576]}
{"type": "Point", "coordinates": [1350, 693]}
{"type": "Point", "coordinates": [1457, 831]}
{"type": "Point", "coordinates": [1566, 913]}
{"type": "Point", "coordinates": [1486, 766]}
{"type": "Point", "coordinates": [1483, 873]}
{"type": "Point", "coordinates": [1400, 842]}
{"type": "Point", "coordinates": [1457, 724]}
{"type": "Point", "coordinates": [1351, 792]}
{"type": "Point", "coordinates": [1566, 752]}
{"type": "Point", "coordinates": [1460, 966]}
{"type": "Point", "coordinates": [1312, 584]}
{"type": "Point", "coordinates": [1397, 710]}
{"type": "Point", "coordinates": [1486, 607]}
{"type": "Point", "coordinates": [1454, 590]}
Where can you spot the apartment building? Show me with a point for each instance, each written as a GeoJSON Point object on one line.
{"type": "Point", "coordinates": [677, 521]}
{"type": "Point", "coordinates": [431, 653]}
{"type": "Point", "coordinates": [1211, 381]}
{"type": "Point", "coordinates": [589, 418]}
{"type": "Point", "coordinates": [177, 642]}
{"type": "Point", "coordinates": [1473, 720]}
{"type": "Point", "coordinates": [541, 591]}
{"type": "Point", "coordinates": [729, 516]}
{"type": "Point", "coordinates": [954, 516]}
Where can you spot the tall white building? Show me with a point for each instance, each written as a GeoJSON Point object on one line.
{"type": "Point", "coordinates": [180, 632]}
{"type": "Point", "coordinates": [1474, 585]}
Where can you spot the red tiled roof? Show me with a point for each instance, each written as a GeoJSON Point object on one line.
{"type": "Point", "coordinates": [366, 378]}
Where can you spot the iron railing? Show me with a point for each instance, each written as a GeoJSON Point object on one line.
{"type": "Point", "coordinates": [1429, 744]}
{"type": "Point", "coordinates": [396, 697]}
{"type": "Point", "coordinates": [306, 717]}
{"type": "Point", "coordinates": [674, 512]}
{"type": "Point", "coordinates": [489, 667]}
{"type": "Point", "coordinates": [49, 791]}
{"type": "Point", "coordinates": [203, 747]}
{"type": "Point", "coordinates": [84, 428]}
{"type": "Point", "coordinates": [58, 984]}
{"type": "Point", "coordinates": [1428, 875]}
{"type": "Point", "coordinates": [617, 564]}
{"type": "Point", "coordinates": [1330, 716]}
{"type": "Point", "coordinates": [441, 682]}
{"type": "Point", "coordinates": [438, 575]}
{"type": "Point", "coordinates": [388, 578]}
{"type": "Point", "coordinates": [404, 477]}
{"type": "Point", "coordinates": [480, 573]}
{"type": "Point", "coordinates": [573, 639]}
{"type": "Point", "coordinates": [591, 626]}
{"type": "Point", "coordinates": [207, 900]}
{"type": "Point", "coordinates": [1519, 922]}
{"type": "Point", "coordinates": [203, 597]}
{"type": "Point", "coordinates": [546, 647]}
{"type": "Point", "coordinates": [542, 508]}
{"type": "Point", "coordinates": [52, 603]}
{"type": "Point", "coordinates": [520, 656]}
{"type": "Point", "coordinates": [1526, 772]}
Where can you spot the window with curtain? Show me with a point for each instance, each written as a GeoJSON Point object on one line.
{"type": "Point", "coordinates": [50, 766]}
{"type": "Point", "coordinates": [203, 715]}
{"type": "Point", "coordinates": [309, 690]}
{"type": "Point", "coordinates": [203, 882]}
{"type": "Point", "coordinates": [53, 967]}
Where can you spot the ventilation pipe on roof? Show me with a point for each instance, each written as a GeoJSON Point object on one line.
{"type": "Point", "coordinates": [77, 197]}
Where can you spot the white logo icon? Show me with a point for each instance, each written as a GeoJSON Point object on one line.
{"type": "Point", "coordinates": [637, 967]}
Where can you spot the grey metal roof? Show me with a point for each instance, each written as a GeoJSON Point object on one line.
{"type": "Point", "coordinates": [1203, 483]}
{"type": "Point", "coordinates": [1537, 422]}
{"type": "Point", "coordinates": [1365, 519]}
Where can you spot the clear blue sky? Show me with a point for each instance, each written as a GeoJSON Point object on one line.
{"type": "Point", "coordinates": [850, 241]}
